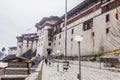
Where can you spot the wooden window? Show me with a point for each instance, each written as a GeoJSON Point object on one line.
{"type": "Point", "coordinates": [107, 18]}
{"type": "Point", "coordinates": [50, 32]}
{"type": "Point", "coordinates": [88, 24]}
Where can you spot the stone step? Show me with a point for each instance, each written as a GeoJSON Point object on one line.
{"type": "Point", "coordinates": [18, 65]}
{"type": "Point", "coordinates": [16, 71]}
{"type": "Point", "coordinates": [13, 77]}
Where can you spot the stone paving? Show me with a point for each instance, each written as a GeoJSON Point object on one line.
{"type": "Point", "coordinates": [88, 73]}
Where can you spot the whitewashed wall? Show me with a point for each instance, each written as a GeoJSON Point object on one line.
{"type": "Point", "coordinates": [19, 49]}
{"type": "Point", "coordinates": [90, 45]}
{"type": "Point", "coordinates": [40, 42]}
{"type": "Point", "coordinates": [24, 48]}
{"type": "Point", "coordinates": [34, 45]}
{"type": "Point", "coordinates": [101, 42]}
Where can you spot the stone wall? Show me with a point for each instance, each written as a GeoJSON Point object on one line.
{"type": "Point", "coordinates": [36, 75]}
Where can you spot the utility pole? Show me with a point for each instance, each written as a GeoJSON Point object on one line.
{"type": "Point", "coordinates": [65, 30]}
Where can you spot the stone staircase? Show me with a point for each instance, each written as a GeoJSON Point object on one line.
{"type": "Point", "coordinates": [16, 70]}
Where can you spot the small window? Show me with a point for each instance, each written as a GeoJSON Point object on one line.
{"type": "Point", "coordinates": [72, 31]}
{"type": "Point", "coordinates": [27, 45]}
{"type": "Point", "coordinates": [59, 43]}
{"type": "Point", "coordinates": [71, 39]}
{"type": "Point", "coordinates": [93, 34]}
{"type": "Point", "coordinates": [19, 46]}
{"type": "Point", "coordinates": [107, 30]}
{"type": "Point", "coordinates": [60, 36]}
{"type": "Point", "coordinates": [55, 37]}
{"type": "Point", "coordinates": [107, 18]}
{"type": "Point", "coordinates": [49, 44]}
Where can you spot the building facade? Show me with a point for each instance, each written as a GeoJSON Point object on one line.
{"type": "Point", "coordinates": [98, 22]}
{"type": "Point", "coordinates": [45, 33]}
{"type": "Point", "coordinates": [26, 42]}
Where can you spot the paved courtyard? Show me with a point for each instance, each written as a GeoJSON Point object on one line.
{"type": "Point", "coordinates": [88, 72]}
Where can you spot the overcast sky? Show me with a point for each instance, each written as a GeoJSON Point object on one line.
{"type": "Point", "coordinates": [19, 16]}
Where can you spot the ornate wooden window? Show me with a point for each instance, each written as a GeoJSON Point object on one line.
{"type": "Point", "coordinates": [88, 24]}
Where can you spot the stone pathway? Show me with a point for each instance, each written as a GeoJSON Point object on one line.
{"type": "Point", "coordinates": [88, 73]}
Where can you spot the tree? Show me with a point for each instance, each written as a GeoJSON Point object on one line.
{"type": "Point", "coordinates": [3, 50]}
{"type": "Point", "coordinates": [0, 54]}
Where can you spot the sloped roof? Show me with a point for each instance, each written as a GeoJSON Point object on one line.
{"type": "Point", "coordinates": [13, 48]}
{"type": "Point", "coordinates": [9, 57]}
{"type": "Point", "coordinates": [44, 19]}
{"type": "Point", "coordinates": [80, 7]}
